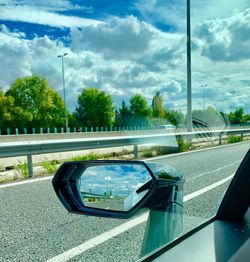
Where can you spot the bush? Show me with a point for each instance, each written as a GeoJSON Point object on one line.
{"type": "Point", "coordinates": [233, 139]}
{"type": "Point", "coordinates": [162, 150]}
{"type": "Point", "coordinates": [183, 146]}
{"type": "Point", "coordinates": [148, 153]}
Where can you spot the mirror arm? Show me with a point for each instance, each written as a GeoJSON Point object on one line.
{"type": "Point", "coordinates": [144, 187]}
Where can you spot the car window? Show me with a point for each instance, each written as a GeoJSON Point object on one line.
{"type": "Point", "coordinates": [98, 80]}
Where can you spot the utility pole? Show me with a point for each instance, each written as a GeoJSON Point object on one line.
{"type": "Point", "coordinates": [189, 79]}
{"type": "Point", "coordinates": [64, 91]}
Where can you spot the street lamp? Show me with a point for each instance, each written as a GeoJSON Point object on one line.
{"type": "Point", "coordinates": [189, 80]}
{"type": "Point", "coordinates": [64, 92]}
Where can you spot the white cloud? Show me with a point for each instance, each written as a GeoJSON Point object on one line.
{"type": "Point", "coordinates": [170, 13]}
{"type": "Point", "coordinates": [225, 39]}
{"type": "Point", "coordinates": [173, 13]}
{"type": "Point", "coordinates": [172, 87]}
{"type": "Point", "coordinates": [14, 56]}
{"type": "Point", "coordinates": [87, 68]}
{"type": "Point", "coordinates": [55, 5]}
{"type": "Point", "coordinates": [126, 56]}
{"type": "Point", "coordinates": [117, 38]}
{"type": "Point", "coordinates": [42, 16]}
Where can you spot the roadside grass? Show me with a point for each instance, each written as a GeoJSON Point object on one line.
{"type": "Point", "coordinates": [85, 157]}
{"type": "Point", "coordinates": [183, 145]}
{"type": "Point", "coordinates": [233, 139]}
{"type": "Point", "coordinates": [2, 168]}
{"type": "Point", "coordinates": [50, 166]}
{"type": "Point", "coordinates": [22, 169]}
{"type": "Point", "coordinates": [147, 153]}
{"type": "Point", "coordinates": [165, 150]}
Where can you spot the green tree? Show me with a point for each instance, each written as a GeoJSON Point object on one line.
{"type": "Point", "coordinates": [37, 98]}
{"type": "Point", "coordinates": [12, 116]}
{"type": "Point", "coordinates": [123, 115]}
{"type": "Point", "coordinates": [175, 117]}
{"type": "Point", "coordinates": [157, 105]}
{"type": "Point", "coordinates": [140, 111]}
{"type": "Point", "coordinates": [95, 108]}
{"type": "Point", "coordinates": [237, 117]}
{"type": "Point", "coordinates": [139, 106]}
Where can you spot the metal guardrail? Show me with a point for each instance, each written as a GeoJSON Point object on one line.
{"type": "Point", "coordinates": [30, 148]}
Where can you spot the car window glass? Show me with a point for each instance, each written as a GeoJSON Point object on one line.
{"type": "Point", "coordinates": [112, 78]}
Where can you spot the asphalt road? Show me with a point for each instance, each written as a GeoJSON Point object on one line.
{"type": "Point", "coordinates": [35, 227]}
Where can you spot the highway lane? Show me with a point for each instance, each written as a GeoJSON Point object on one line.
{"type": "Point", "coordinates": [35, 227]}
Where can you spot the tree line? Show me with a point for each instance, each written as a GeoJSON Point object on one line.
{"type": "Point", "coordinates": [31, 103]}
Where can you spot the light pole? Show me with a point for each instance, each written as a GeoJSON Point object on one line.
{"type": "Point", "coordinates": [64, 91]}
{"type": "Point", "coordinates": [189, 82]}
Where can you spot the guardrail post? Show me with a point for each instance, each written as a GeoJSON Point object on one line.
{"type": "Point", "coordinates": [30, 165]}
{"type": "Point", "coordinates": [17, 131]}
{"type": "Point", "coordinates": [220, 138]}
{"type": "Point", "coordinates": [135, 151]}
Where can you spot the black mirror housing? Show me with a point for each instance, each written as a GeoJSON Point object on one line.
{"type": "Point", "coordinates": [74, 183]}
{"type": "Point", "coordinates": [66, 185]}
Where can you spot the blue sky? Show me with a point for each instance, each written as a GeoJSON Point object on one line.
{"type": "Point", "coordinates": [127, 47]}
{"type": "Point", "coordinates": [121, 179]}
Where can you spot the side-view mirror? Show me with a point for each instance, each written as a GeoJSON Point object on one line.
{"type": "Point", "coordinates": [111, 188]}
{"type": "Point", "coordinates": [104, 188]}
{"type": "Point", "coordinates": [119, 189]}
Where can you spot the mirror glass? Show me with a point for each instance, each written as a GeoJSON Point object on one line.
{"type": "Point", "coordinates": [114, 186]}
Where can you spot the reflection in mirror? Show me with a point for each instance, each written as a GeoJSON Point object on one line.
{"type": "Point", "coordinates": [115, 186]}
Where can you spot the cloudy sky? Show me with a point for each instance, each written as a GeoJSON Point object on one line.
{"type": "Point", "coordinates": [130, 46]}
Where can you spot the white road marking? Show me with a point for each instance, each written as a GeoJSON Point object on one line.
{"type": "Point", "coordinates": [26, 182]}
{"type": "Point", "coordinates": [65, 256]}
{"type": "Point", "coordinates": [207, 188]}
{"type": "Point", "coordinates": [213, 171]}
{"type": "Point", "coordinates": [194, 151]}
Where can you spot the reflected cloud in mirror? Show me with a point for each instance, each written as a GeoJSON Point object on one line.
{"type": "Point", "coordinates": [115, 186]}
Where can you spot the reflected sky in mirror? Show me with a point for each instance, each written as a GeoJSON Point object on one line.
{"type": "Point", "coordinates": [121, 178]}
{"type": "Point", "coordinates": [114, 186]}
